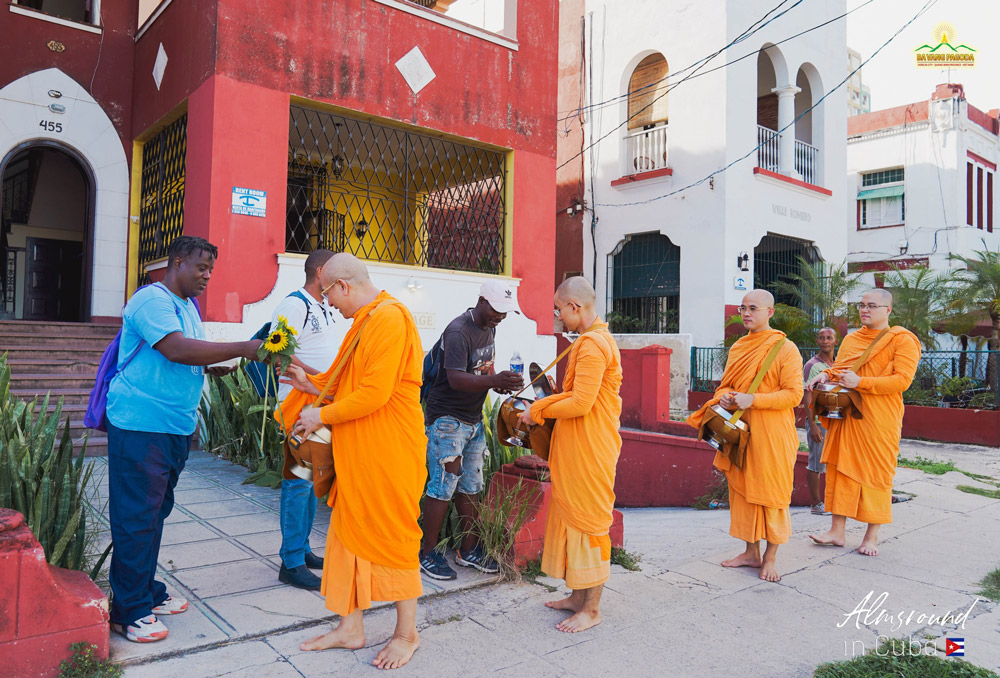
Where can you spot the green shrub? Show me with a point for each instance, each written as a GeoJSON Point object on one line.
{"type": "Point", "coordinates": [40, 478]}
{"type": "Point", "coordinates": [983, 401]}
{"type": "Point", "coordinates": [83, 664]}
{"type": "Point", "coordinates": [957, 386]}
{"type": "Point", "coordinates": [230, 417]}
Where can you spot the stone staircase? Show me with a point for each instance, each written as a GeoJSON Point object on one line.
{"type": "Point", "coordinates": [60, 359]}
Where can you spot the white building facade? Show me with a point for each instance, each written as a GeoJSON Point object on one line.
{"type": "Point", "coordinates": [667, 260]}
{"type": "Point", "coordinates": [922, 178]}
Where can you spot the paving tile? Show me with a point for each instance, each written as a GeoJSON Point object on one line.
{"type": "Point", "coordinates": [189, 630]}
{"type": "Point", "coordinates": [188, 497]}
{"type": "Point", "coordinates": [185, 532]}
{"type": "Point", "coordinates": [200, 553]}
{"type": "Point", "coordinates": [192, 481]}
{"type": "Point", "coordinates": [262, 611]}
{"type": "Point", "coordinates": [264, 543]}
{"type": "Point", "coordinates": [229, 660]}
{"type": "Point", "coordinates": [178, 515]}
{"type": "Point", "coordinates": [250, 524]}
{"type": "Point", "coordinates": [226, 578]}
{"type": "Point", "coordinates": [222, 509]}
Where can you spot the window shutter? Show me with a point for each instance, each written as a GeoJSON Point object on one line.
{"type": "Point", "coordinates": [647, 101]}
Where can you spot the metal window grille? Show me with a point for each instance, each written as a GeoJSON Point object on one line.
{"type": "Point", "coordinates": [161, 210]}
{"type": "Point", "coordinates": [9, 282]}
{"type": "Point", "coordinates": [644, 272]}
{"type": "Point", "coordinates": [775, 259]}
{"type": "Point", "coordinates": [882, 177]}
{"type": "Point", "coordinates": [389, 195]}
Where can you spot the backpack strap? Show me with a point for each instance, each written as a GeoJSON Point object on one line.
{"type": "Point", "coordinates": [298, 295]}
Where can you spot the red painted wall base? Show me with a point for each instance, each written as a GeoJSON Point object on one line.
{"type": "Point", "coordinates": [43, 609]}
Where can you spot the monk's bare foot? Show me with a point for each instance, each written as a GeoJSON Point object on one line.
{"type": "Point", "coordinates": [581, 621]}
{"type": "Point", "coordinates": [743, 560]}
{"type": "Point", "coordinates": [572, 603]}
{"type": "Point", "coordinates": [397, 652]}
{"type": "Point", "coordinates": [338, 638]}
{"type": "Point", "coordinates": [768, 572]}
{"type": "Point", "coordinates": [828, 539]}
{"type": "Point", "coordinates": [868, 548]}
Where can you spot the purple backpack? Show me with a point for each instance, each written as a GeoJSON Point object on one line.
{"type": "Point", "coordinates": [97, 405]}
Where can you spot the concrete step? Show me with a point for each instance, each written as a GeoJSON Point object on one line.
{"type": "Point", "coordinates": [53, 366]}
{"type": "Point", "coordinates": [70, 396]}
{"type": "Point", "coordinates": [13, 341]}
{"type": "Point", "coordinates": [28, 327]}
{"type": "Point", "coordinates": [71, 353]}
{"type": "Point", "coordinates": [43, 383]}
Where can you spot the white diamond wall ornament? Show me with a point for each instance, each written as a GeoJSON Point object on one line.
{"type": "Point", "coordinates": [415, 70]}
{"type": "Point", "coordinates": [159, 66]}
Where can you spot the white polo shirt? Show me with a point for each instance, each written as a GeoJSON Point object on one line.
{"type": "Point", "coordinates": [317, 347]}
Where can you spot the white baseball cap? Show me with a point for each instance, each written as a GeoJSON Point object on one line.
{"type": "Point", "coordinates": [501, 296]}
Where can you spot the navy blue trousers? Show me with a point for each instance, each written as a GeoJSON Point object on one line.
{"type": "Point", "coordinates": [143, 469]}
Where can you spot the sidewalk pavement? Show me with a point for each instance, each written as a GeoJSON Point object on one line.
{"type": "Point", "coordinates": [682, 615]}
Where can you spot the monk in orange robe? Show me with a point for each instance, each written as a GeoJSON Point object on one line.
{"type": "Point", "coordinates": [379, 446]}
{"type": "Point", "coordinates": [760, 492]}
{"type": "Point", "coordinates": [860, 454]}
{"type": "Point", "coordinates": [583, 455]}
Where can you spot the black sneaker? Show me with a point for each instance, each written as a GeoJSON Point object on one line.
{"type": "Point", "coordinates": [435, 566]}
{"type": "Point", "coordinates": [300, 577]}
{"type": "Point", "coordinates": [313, 562]}
{"type": "Point", "coordinates": [478, 559]}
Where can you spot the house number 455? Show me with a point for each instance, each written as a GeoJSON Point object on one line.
{"type": "Point", "coordinates": [50, 126]}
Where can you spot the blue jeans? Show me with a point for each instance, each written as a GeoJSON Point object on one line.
{"type": "Point", "coordinates": [449, 439]}
{"type": "Point", "coordinates": [143, 469]}
{"type": "Point", "coordinates": [298, 510]}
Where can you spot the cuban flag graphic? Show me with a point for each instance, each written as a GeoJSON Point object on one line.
{"type": "Point", "coordinates": [954, 647]}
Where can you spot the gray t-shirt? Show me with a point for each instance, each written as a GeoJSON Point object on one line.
{"type": "Point", "coordinates": [470, 348]}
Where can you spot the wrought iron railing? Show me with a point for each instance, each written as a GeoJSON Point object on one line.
{"type": "Point", "coordinates": [767, 148]}
{"type": "Point", "coordinates": [161, 202]}
{"type": "Point", "coordinates": [390, 195]}
{"type": "Point", "coordinates": [806, 159]}
{"type": "Point", "coordinates": [967, 379]}
{"type": "Point", "coordinates": [645, 149]}
{"type": "Point", "coordinates": [8, 298]}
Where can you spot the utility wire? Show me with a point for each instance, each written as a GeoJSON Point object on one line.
{"type": "Point", "coordinates": [752, 151]}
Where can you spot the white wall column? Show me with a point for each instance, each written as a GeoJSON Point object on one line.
{"type": "Point", "coordinates": [786, 141]}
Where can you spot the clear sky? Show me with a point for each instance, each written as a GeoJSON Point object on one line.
{"type": "Point", "coordinates": [894, 78]}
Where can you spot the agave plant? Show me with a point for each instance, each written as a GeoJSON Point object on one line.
{"type": "Point", "coordinates": [40, 478]}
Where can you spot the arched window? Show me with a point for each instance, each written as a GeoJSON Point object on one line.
{"type": "Point", "coordinates": [645, 277]}
{"type": "Point", "coordinates": [647, 92]}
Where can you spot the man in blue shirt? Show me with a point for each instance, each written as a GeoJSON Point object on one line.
{"type": "Point", "coordinates": [151, 415]}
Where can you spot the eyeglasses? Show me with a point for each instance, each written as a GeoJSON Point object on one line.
{"type": "Point", "coordinates": [330, 286]}
{"type": "Point", "coordinates": [869, 307]}
{"type": "Point", "coordinates": [557, 312]}
{"type": "Point", "coordinates": [752, 309]}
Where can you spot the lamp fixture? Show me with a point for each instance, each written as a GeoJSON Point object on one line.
{"type": "Point", "coordinates": [361, 228]}
{"type": "Point", "coordinates": [413, 284]}
{"type": "Point", "coordinates": [742, 261]}
{"type": "Point", "coordinates": [337, 164]}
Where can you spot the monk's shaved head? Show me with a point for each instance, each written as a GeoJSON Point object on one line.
{"type": "Point", "coordinates": [577, 290]}
{"type": "Point", "coordinates": [882, 296]}
{"type": "Point", "coordinates": [344, 266]}
{"type": "Point", "coordinates": [761, 298]}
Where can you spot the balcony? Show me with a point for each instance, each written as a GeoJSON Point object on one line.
{"type": "Point", "coordinates": [645, 150]}
{"type": "Point", "coordinates": [806, 161]}
{"type": "Point", "coordinates": [767, 148]}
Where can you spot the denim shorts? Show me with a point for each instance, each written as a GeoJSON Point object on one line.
{"type": "Point", "coordinates": [815, 452]}
{"type": "Point", "coordinates": [449, 439]}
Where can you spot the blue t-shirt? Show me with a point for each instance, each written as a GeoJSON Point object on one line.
{"type": "Point", "coordinates": [150, 393]}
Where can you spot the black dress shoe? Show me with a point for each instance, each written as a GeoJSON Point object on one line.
{"type": "Point", "coordinates": [314, 562]}
{"type": "Point", "coordinates": [300, 577]}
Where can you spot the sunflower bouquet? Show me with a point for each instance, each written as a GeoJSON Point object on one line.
{"type": "Point", "coordinates": [276, 352]}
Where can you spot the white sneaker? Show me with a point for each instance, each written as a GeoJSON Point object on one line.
{"type": "Point", "coordinates": [146, 630]}
{"type": "Point", "coordinates": [817, 510]}
{"type": "Point", "coordinates": [172, 605]}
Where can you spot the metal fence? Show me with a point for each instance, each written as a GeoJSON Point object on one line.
{"type": "Point", "coordinates": [161, 202]}
{"type": "Point", "coordinates": [943, 378]}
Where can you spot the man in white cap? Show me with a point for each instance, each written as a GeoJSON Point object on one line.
{"type": "Point", "coordinates": [458, 375]}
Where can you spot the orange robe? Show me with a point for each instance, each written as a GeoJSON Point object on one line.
{"type": "Point", "coordinates": [379, 451]}
{"type": "Point", "coordinates": [760, 492]}
{"type": "Point", "coordinates": [860, 454]}
{"type": "Point", "coordinates": [582, 458]}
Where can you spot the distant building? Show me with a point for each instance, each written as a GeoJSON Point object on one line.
{"type": "Point", "coordinates": [859, 97]}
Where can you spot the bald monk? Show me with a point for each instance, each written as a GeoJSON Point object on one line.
{"type": "Point", "coordinates": [860, 454]}
{"type": "Point", "coordinates": [582, 457]}
{"type": "Point", "coordinates": [760, 492]}
{"type": "Point", "coordinates": [379, 446]}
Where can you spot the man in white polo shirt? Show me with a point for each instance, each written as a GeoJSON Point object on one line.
{"type": "Point", "coordinates": [306, 311]}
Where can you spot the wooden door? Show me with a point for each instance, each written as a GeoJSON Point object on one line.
{"type": "Point", "coordinates": [52, 277]}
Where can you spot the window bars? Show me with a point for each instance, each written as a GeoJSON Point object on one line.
{"type": "Point", "coordinates": [389, 195]}
{"type": "Point", "coordinates": [644, 274]}
{"type": "Point", "coordinates": [161, 210]}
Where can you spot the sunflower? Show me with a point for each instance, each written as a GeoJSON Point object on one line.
{"type": "Point", "coordinates": [276, 342]}
{"type": "Point", "coordinates": [282, 320]}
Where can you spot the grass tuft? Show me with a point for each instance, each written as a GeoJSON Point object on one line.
{"type": "Point", "coordinates": [627, 559]}
{"type": "Point", "coordinates": [991, 586]}
{"type": "Point", "coordinates": [531, 571]}
{"type": "Point", "coordinates": [992, 494]}
{"type": "Point", "coordinates": [905, 658]}
{"type": "Point", "coordinates": [937, 468]}
{"type": "Point", "coordinates": [716, 496]}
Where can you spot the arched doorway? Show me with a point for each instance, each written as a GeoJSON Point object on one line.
{"type": "Point", "coordinates": [644, 285]}
{"type": "Point", "coordinates": [779, 258]}
{"type": "Point", "coordinates": [46, 226]}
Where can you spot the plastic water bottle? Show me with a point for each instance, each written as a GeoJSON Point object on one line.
{"type": "Point", "coordinates": [516, 363]}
